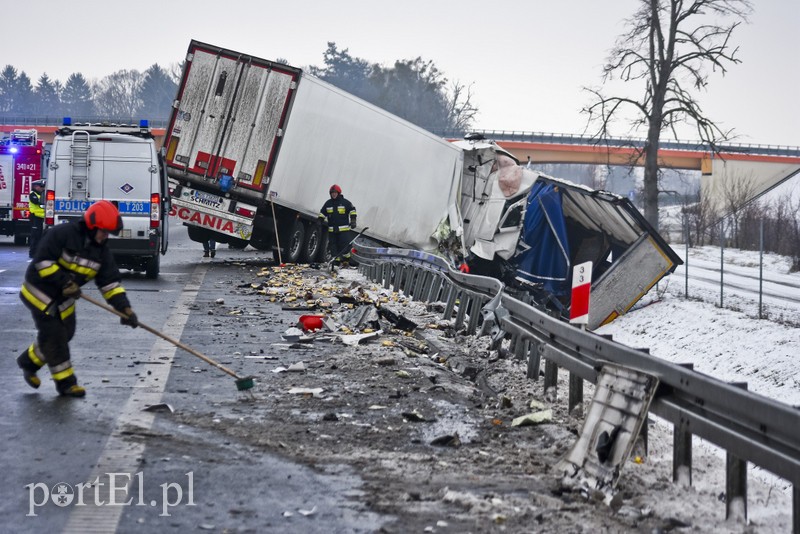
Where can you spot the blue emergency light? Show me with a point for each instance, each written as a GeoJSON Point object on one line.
{"type": "Point", "coordinates": [144, 123]}
{"type": "Point", "coordinates": [67, 121]}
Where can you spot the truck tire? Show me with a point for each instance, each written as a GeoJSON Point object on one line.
{"type": "Point", "coordinates": [238, 244]}
{"type": "Point", "coordinates": [292, 242]}
{"type": "Point", "coordinates": [324, 255]}
{"type": "Point", "coordinates": [311, 243]}
{"type": "Point", "coordinates": [152, 267]}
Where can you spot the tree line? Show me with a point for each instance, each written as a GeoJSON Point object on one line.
{"type": "Point", "coordinates": [414, 89]}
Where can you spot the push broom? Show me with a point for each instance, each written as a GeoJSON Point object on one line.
{"type": "Point", "coordinates": [242, 383]}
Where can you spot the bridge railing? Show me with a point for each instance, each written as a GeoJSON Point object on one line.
{"type": "Point", "coordinates": [621, 142]}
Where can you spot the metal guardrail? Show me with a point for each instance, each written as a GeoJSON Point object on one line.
{"type": "Point", "coordinates": [750, 427]}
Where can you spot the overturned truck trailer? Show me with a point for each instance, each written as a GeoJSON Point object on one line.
{"type": "Point", "coordinates": [530, 229]}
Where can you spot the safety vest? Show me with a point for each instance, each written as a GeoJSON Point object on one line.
{"type": "Point", "coordinates": [35, 204]}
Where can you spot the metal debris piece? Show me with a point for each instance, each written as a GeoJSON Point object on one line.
{"type": "Point", "coordinates": [536, 418]}
{"type": "Point", "coordinates": [161, 407]}
{"type": "Point", "coordinates": [615, 417]}
{"type": "Point", "coordinates": [312, 392]}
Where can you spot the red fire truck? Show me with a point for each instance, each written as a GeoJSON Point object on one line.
{"type": "Point", "coordinates": [21, 159]}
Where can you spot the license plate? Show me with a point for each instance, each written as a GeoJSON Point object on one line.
{"type": "Point", "coordinates": [206, 199]}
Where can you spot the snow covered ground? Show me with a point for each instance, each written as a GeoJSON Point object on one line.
{"type": "Point", "coordinates": [729, 343]}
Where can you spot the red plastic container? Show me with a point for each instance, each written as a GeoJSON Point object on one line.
{"type": "Point", "coordinates": [311, 322]}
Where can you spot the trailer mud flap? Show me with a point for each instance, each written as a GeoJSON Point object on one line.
{"type": "Point", "coordinates": [212, 221]}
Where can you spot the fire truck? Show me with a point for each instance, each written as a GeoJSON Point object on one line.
{"type": "Point", "coordinates": [21, 158]}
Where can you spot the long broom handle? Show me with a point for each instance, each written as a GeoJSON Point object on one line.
{"type": "Point", "coordinates": [165, 337]}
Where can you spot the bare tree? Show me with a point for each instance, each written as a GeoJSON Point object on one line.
{"type": "Point", "coordinates": [668, 46]}
{"type": "Point", "coordinates": [117, 95]}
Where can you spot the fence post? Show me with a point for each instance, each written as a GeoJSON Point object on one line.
{"type": "Point", "coordinates": [760, 267]}
{"type": "Point", "coordinates": [721, 259]}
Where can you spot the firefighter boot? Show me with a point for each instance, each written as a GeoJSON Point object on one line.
{"type": "Point", "coordinates": [29, 362]}
{"type": "Point", "coordinates": [69, 387]}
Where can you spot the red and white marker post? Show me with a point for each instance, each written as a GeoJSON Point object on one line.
{"type": "Point", "coordinates": [581, 286]}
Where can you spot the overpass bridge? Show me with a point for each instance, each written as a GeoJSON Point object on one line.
{"type": "Point", "coordinates": [763, 166]}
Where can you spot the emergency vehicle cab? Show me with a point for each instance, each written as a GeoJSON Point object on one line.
{"type": "Point", "coordinates": [21, 157]}
{"type": "Point", "coordinates": [121, 164]}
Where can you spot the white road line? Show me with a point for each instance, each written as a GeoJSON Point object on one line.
{"type": "Point", "coordinates": [124, 450]}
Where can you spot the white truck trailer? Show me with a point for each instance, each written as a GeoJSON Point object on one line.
{"type": "Point", "coordinates": [253, 147]}
{"type": "Point", "coordinates": [249, 137]}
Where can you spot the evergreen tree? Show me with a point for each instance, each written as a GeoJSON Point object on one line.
{"type": "Point", "coordinates": [157, 91]}
{"type": "Point", "coordinates": [24, 102]}
{"type": "Point", "coordinates": [47, 101]}
{"type": "Point", "coordinates": [76, 98]}
{"type": "Point", "coordinates": [8, 88]}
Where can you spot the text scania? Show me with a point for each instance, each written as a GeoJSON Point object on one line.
{"type": "Point", "coordinates": [111, 493]}
{"type": "Point", "coordinates": [206, 220]}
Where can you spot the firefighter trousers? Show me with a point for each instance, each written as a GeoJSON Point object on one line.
{"type": "Point", "coordinates": [51, 348]}
{"type": "Point", "coordinates": [339, 246]}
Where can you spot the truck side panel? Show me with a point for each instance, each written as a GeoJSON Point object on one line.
{"type": "Point", "coordinates": [402, 179]}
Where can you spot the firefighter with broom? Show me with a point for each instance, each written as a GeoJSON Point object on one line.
{"type": "Point", "coordinates": [68, 256]}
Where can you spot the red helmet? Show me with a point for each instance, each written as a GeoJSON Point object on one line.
{"type": "Point", "coordinates": [103, 215]}
{"type": "Point", "coordinates": [336, 188]}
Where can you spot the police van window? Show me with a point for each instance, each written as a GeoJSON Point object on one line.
{"type": "Point", "coordinates": [221, 84]}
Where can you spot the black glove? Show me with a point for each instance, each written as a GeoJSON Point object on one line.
{"type": "Point", "coordinates": [131, 320]}
{"type": "Point", "coordinates": [71, 290]}
{"type": "Point", "coordinates": [352, 221]}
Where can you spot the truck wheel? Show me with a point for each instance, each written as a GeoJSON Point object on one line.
{"type": "Point", "coordinates": [20, 240]}
{"type": "Point", "coordinates": [311, 243]}
{"type": "Point", "coordinates": [239, 244]}
{"type": "Point", "coordinates": [293, 245]}
{"type": "Point", "coordinates": [324, 255]}
{"type": "Point", "coordinates": [152, 267]}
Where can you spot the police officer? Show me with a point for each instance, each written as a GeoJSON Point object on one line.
{"type": "Point", "coordinates": [339, 215]}
{"type": "Point", "coordinates": [68, 256]}
{"type": "Point", "coordinates": [36, 209]}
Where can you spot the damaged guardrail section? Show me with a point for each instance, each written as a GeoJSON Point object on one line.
{"type": "Point", "coordinates": [750, 427]}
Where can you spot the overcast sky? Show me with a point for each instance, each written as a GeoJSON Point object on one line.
{"type": "Point", "coordinates": [527, 60]}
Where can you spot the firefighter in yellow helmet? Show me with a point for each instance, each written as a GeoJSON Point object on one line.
{"type": "Point", "coordinates": [68, 256]}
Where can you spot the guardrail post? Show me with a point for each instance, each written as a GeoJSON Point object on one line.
{"type": "Point", "coordinates": [682, 449]}
{"type": "Point", "coordinates": [534, 360]}
{"type": "Point", "coordinates": [475, 305]}
{"type": "Point", "coordinates": [398, 275]}
{"type": "Point", "coordinates": [452, 296]}
{"type": "Point", "coordinates": [463, 304]}
{"type": "Point", "coordinates": [550, 379]}
{"type": "Point", "coordinates": [435, 293]}
{"type": "Point", "coordinates": [575, 391]}
{"type": "Point", "coordinates": [736, 482]}
{"type": "Point", "coordinates": [522, 348]}
{"type": "Point", "coordinates": [387, 275]}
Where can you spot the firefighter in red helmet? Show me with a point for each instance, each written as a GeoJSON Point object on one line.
{"type": "Point", "coordinates": [68, 256]}
{"type": "Point", "coordinates": [339, 215]}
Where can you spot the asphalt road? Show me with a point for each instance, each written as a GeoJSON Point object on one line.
{"type": "Point", "coordinates": [105, 464]}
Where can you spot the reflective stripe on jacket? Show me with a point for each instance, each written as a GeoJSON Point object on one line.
{"type": "Point", "coordinates": [67, 252]}
{"type": "Point", "coordinates": [336, 213]}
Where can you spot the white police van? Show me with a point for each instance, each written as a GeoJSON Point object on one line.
{"type": "Point", "coordinates": [119, 163]}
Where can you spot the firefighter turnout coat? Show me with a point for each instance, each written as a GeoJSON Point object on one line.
{"type": "Point", "coordinates": [337, 214]}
